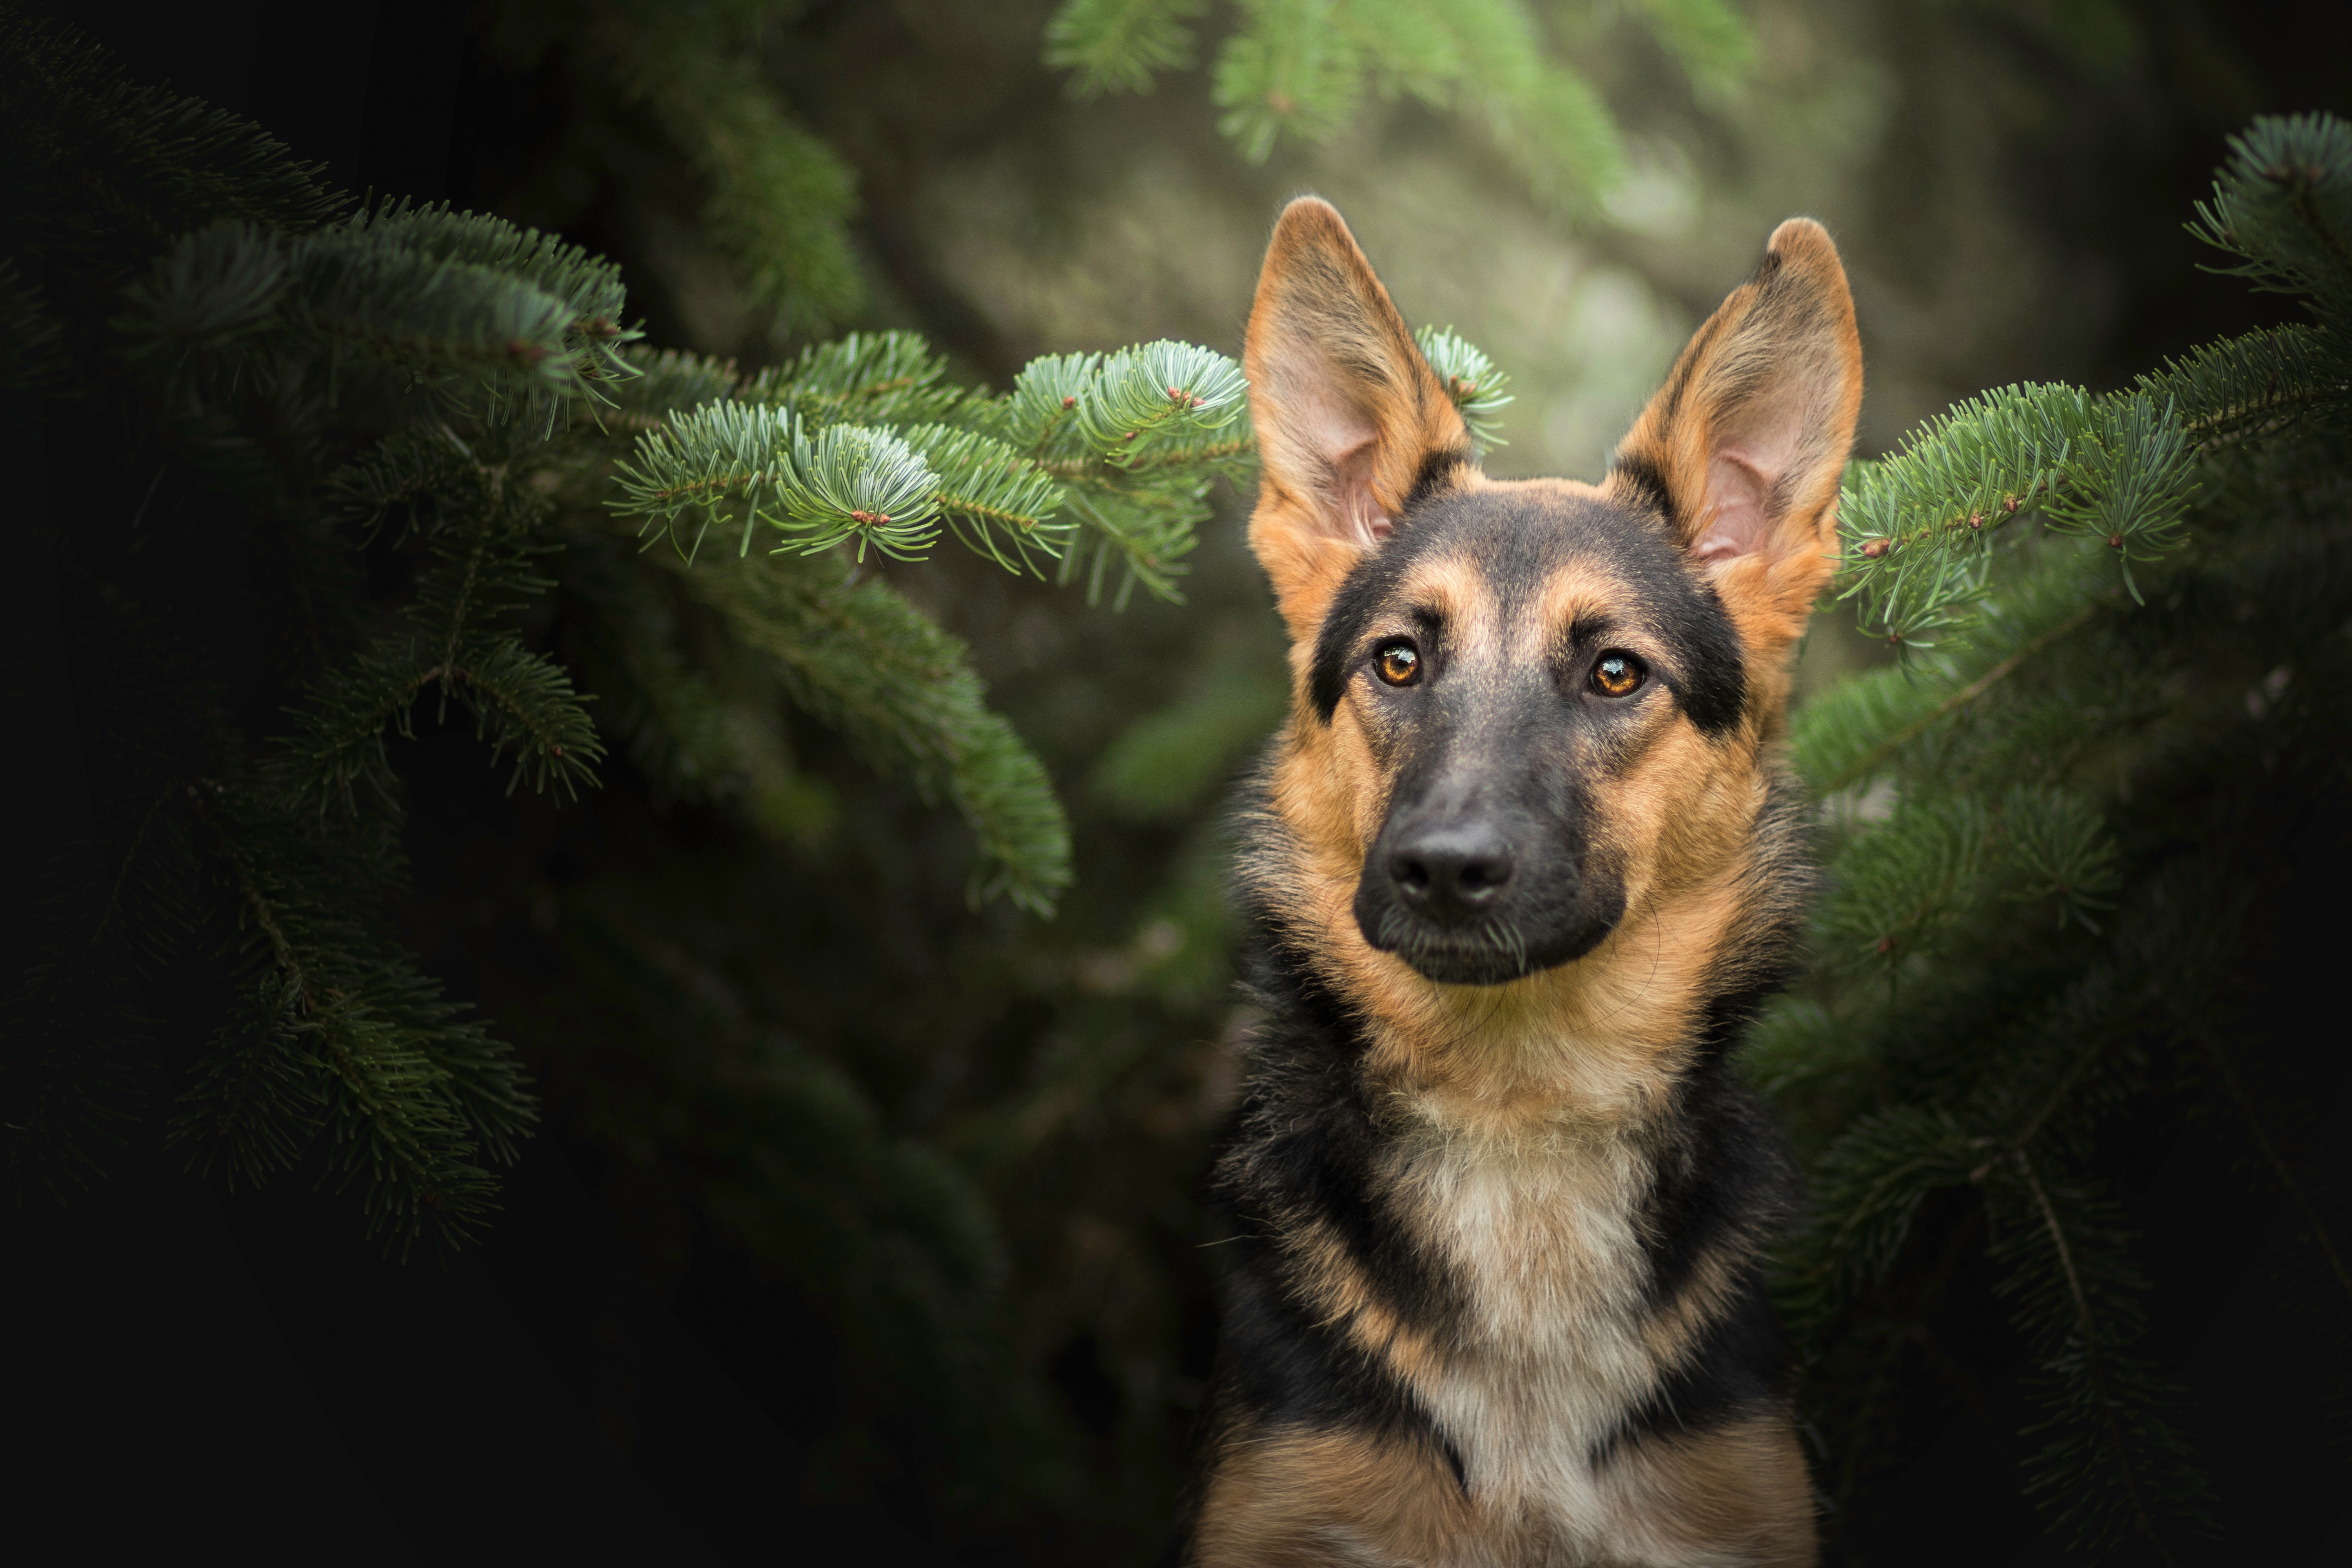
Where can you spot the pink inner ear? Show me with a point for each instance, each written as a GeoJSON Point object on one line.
{"type": "Point", "coordinates": [1735, 492]}
{"type": "Point", "coordinates": [1359, 512]}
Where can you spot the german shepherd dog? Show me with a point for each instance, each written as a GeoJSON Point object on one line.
{"type": "Point", "coordinates": [1519, 871]}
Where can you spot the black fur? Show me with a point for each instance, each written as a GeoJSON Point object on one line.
{"type": "Point", "coordinates": [1302, 1145]}
{"type": "Point", "coordinates": [1516, 544]}
{"type": "Point", "coordinates": [1302, 1157]}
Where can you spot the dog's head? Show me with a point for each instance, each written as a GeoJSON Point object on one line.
{"type": "Point", "coordinates": [1525, 710]}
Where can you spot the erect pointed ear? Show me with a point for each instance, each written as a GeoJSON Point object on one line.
{"type": "Point", "coordinates": [1351, 420]}
{"type": "Point", "coordinates": [1743, 447]}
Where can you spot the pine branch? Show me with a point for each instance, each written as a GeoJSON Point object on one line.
{"type": "Point", "coordinates": [858, 656]}
{"type": "Point", "coordinates": [865, 378]}
{"type": "Point", "coordinates": [778, 198]}
{"type": "Point", "coordinates": [1868, 1186]}
{"type": "Point", "coordinates": [2253, 385]}
{"type": "Point", "coordinates": [395, 285]}
{"type": "Point", "coordinates": [1920, 525]}
{"type": "Point", "coordinates": [2284, 203]}
{"type": "Point", "coordinates": [1900, 884]}
{"type": "Point", "coordinates": [2114, 1467]}
{"type": "Point", "coordinates": [1478, 387]}
{"type": "Point", "coordinates": [259, 1096]}
{"type": "Point", "coordinates": [337, 1037]}
{"type": "Point", "coordinates": [2058, 847]}
{"type": "Point", "coordinates": [1119, 45]}
{"type": "Point", "coordinates": [521, 701]}
{"type": "Point", "coordinates": [701, 733]}
{"type": "Point", "coordinates": [1125, 443]}
{"type": "Point", "coordinates": [1710, 39]}
{"type": "Point", "coordinates": [1293, 67]}
{"type": "Point", "coordinates": [1851, 732]}
{"type": "Point", "coordinates": [994, 497]}
{"type": "Point", "coordinates": [843, 482]}
{"type": "Point", "coordinates": [124, 162]}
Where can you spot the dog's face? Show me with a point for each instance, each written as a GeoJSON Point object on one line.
{"type": "Point", "coordinates": [1525, 710]}
{"type": "Point", "coordinates": [1518, 662]}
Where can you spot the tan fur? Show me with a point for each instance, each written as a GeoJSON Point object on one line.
{"type": "Point", "coordinates": [1326, 1498]}
{"type": "Point", "coordinates": [1681, 824]}
{"type": "Point", "coordinates": [1359, 409]}
{"type": "Point", "coordinates": [1295, 1498]}
{"type": "Point", "coordinates": [1767, 391]}
{"type": "Point", "coordinates": [1515, 1110]}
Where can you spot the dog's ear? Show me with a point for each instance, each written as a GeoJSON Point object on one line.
{"type": "Point", "coordinates": [1743, 447]}
{"type": "Point", "coordinates": [1350, 417]}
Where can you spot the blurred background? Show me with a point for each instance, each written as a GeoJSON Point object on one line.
{"type": "Point", "coordinates": [857, 1205]}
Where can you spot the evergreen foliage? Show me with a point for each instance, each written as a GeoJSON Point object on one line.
{"type": "Point", "coordinates": [459, 402]}
{"type": "Point", "coordinates": [775, 198]}
{"type": "Point", "coordinates": [1302, 68]}
{"type": "Point", "coordinates": [2120, 620]}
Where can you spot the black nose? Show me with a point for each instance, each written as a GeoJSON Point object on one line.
{"type": "Point", "coordinates": [1452, 871]}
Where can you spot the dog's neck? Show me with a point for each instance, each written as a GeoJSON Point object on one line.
{"type": "Point", "coordinates": [1594, 1044]}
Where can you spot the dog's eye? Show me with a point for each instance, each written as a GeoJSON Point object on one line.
{"type": "Point", "coordinates": [1619, 675]}
{"type": "Point", "coordinates": [1398, 661]}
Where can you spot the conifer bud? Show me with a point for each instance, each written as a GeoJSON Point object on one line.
{"type": "Point", "coordinates": [1874, 549]}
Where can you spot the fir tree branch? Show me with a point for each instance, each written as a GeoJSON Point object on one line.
{"type": "Point", "coordinates": [1879, 754]}
{"type": "Point", "coordinates": [777, 198]}
{"type": "Point", "coordinates": [1119, 45]}
{"type": "Point", "coordinates": [2094, 1354]}
{"type": "Point", "coordinates": [1476, 383]}
{"type": "Point", "coordinates": [856, 655]}
{"type": "Point", "coordinates": [123, 162]}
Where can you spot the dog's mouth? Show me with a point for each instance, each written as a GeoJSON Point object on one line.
{"type": "Point", "coordinates": [1492, 952]}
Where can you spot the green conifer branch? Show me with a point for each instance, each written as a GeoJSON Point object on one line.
{"type": "Point", "coordinates": [2002, 753]}
{"type": "Point", "coordinates": [864, 378]}
{"type": "Point", "coordinates": [856, 655]}
{"type": "Point", "coordinates": [703, 734]}
{"type": "Point", "coordinates": [1868, 1188]}
{"type": "Point", "coordinates": [2113, 1467]}
{"type": "Point", "coordinates": [1479, 388]}
{"type": "Point", "coordinates": [337, 1037]}
{"type": "Point", "coordinates": [259, 1096]}
{"type": "Point", "coordinates": [778, 199]}
{"type": "Point", "coordinates": [122, 162]}
{"type": "Point", "coordinates": [395, 285]}
{"type": "Point", "coordinates": [1306, 67]}
{"type": "Point", "coordinates": [2284, 203]}
{"type": "Point", "coordinates": [1713, 42]}
{"type": "Point", "coordinates": [1119, 45]}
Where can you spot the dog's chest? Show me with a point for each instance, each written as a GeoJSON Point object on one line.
{"type": "Point", "coordinates": [1540, 1234]}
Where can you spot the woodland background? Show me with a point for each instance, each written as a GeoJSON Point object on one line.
{"type": "Point", "coordinates": [965, 1307]}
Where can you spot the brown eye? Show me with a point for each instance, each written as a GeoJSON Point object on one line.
{"type": "Point", "coordinates": [1618, 675]}
{"type": "Point", "coordinates": [1399, 662]}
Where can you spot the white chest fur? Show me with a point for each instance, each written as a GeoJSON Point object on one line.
{"type": "Point", "coordinates": [1539, 1228]}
